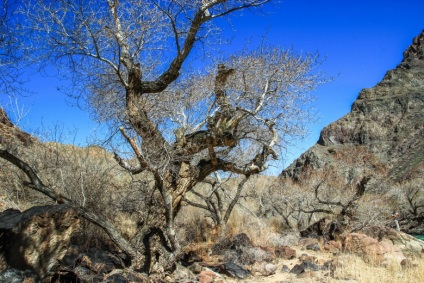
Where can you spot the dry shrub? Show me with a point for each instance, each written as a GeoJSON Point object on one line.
{"type": "Point", "coordinates": [91, 236]}
{"type": "Point", "coordinates": [89, 176]}
{"type": "Point", "coordinates": [372, 210]}
{"type": "Point", "coordinates": [194, 226]}
{"type": "Point", "coordinates": [262, 232]}
{"type": "Point", "coordinates": [126, 223]}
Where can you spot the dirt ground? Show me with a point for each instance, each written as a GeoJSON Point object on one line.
{"type": "Point", "coordinates": [350, 268]}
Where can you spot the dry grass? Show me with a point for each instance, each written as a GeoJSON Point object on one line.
{"type": "Point", "coordinates": [352, 268]}
{"type": "Point", "coordinates": [355, 269]}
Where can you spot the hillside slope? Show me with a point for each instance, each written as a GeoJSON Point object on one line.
{"type": "Point", "coordinates": [382, 136]}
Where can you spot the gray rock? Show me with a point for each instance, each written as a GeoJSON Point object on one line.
{"type": "Point", "coordinates": [12, 275]}
{"type": "Point", "coordinates": [307, 265]}
{"type": "Point", "coordinates": [241, 241]}
{"type": "Point", "coordinates": [297, 269]}
{"type": "Point", "coordinates": [196, 268]}
{"type": "Point", "coordinates": [182, 272]}
{"type": "Point", "coordinates": [285, 269]}
{"type": "Point", "coordinates": [313, 247]}
{"type": "Point", "coordinates": [234, 270]}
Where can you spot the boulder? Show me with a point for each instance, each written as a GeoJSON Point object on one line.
{"type": "Point", "coordinates": [196, 268]}
{"type": "Point", "coordinates": [288, 239]}
{"type": "Point", "coordinates": [207, 276]}
{"type": "Point", "coordinates": [308, 241]}
{"type": "Point", "coordinates": [38, 238]}
{"type": "Point", "coordinates": [372, 249]}
{"type": "Point", "coordinates": [182, 273]}
{"type": "Point", "coordinates": [297, 269]}
{"type": "Point", "coordinates": [254, 254]}
{"type": "Point", "coordinates": [238, 242]}
{"type": "Point", "coordinates": [263, 268]}
{"type": "Point", "coordinates": [222, 245]}
{"type": "Point", "coordinates": [285, 252]}
{"type": "Point", "coordinates": [306, 265]}
{"type": "Point", "coordinates": [333, 246]}
{"type": "Point", "coordinates": [240, 249]}
{"type": "Point", "coordinates": [241, 241]}
{"type": "Point", "coordinates": [408, 244]}
{"type": "Point", "coordinates": [313, 247]}
{"type": "Point", "coordinates": [305, 257]}
{"type": "Point", "coordinates": [234, 270]}
{"type": "Point", "coordinates": [285, 269]}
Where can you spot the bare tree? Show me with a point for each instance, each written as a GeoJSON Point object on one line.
{"type": "Point", "coordinates": [127, 59]}
{"type": "Point", "coordinates": [215, 200]}
{"type": "Point", "coordinates": [283, 199]}
{"type": "Point", "coordinates": [342, 193]}
{"type": "Point", "coordinates": [319, 204]}
{"type": "Point", "coordinates": [410, 204]}
{"type": "Point", "coordinates": [415, 199]}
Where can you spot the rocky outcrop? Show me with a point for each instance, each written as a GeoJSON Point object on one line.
{"type": "Point", "coordinates": [409, 245]}
{"type": "Point", "coordinates": [375, 251]}
{"type": "Point", "coordinates": [10, 134]}
{"type": "Point", "coordinates": [381, 245]}
{"type": "Point", "coordinates": [382, 136]}
{"type": "Point", "coordinates": [387, 120]}
{"type": "Point", "coordinates": [38, 238]}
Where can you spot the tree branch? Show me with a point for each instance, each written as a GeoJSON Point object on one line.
{"type": "Point", "coordinates": [173, 71]}
{"type": "Point", "coordinates": [236, 198]}
{"type": "Point", "coordinates": [36, 184]}
{"type": "Point", "coordinates": [131, 169]}
{"type": "Point", "coordinates": [34, 181]}
{"type": "Point", "coordinates": [142, 161]}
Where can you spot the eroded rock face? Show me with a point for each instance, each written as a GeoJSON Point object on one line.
{"type": "Point", "coordinates": [38, 238]}
{"type": "Point", "coordinates": [10, 134]}
{"type": "Point", "coordinates": [387, 119]}
{"type": "Point", "coordinates": [381, 137]}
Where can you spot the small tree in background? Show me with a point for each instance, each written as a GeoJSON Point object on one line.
{"type": "Point", "coordinates": [215, 200]}
{"type": "Point", "coordinates": [342, 193]}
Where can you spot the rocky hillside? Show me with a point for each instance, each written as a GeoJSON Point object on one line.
{"type": "Point", "coordinates": [382, 136]}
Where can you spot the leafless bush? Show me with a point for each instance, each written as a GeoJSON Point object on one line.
{"type": "Point", "coordinates": [341, 192]}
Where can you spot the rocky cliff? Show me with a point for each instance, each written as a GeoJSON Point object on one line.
{"type": "Point", "coordinates": [382, 136]}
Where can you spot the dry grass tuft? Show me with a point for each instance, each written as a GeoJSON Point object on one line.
{"type": "Point", "coordinates": [355, 269]}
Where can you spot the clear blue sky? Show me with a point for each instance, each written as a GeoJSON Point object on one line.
{"type": "Point", "coordinates": [361, 40]}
